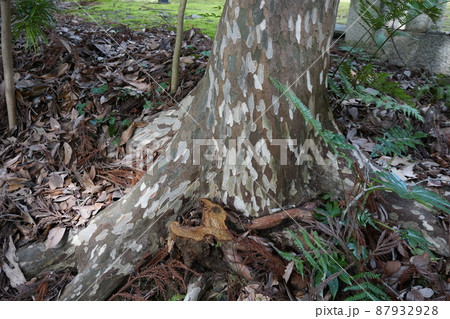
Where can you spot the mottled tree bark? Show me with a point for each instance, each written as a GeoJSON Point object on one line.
{"type": "Point", "coordinates": [232, 140]}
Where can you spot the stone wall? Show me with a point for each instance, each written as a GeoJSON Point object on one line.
{"type": "Point", "coordinates": [420, 47]}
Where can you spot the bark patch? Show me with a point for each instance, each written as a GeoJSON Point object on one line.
{"type": "Point", "coordinates": [213, 223]}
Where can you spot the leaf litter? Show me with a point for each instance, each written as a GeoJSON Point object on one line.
{"type": "Point", "coordinates": [79, 101]}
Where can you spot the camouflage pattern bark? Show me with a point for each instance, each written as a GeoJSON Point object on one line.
{"type": "Point", "coordinates": [232, 140]}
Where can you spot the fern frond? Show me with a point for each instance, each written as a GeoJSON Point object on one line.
{"type": "Point", "coordinates": [298, 263]}
{"type": "Point", "coordinates": [396, 141]}
{"type": "Point", "coordinates": [383, 93]}
{"type": "Point", "coordinates": [430, 199]}
{"type": "Point", "coordinates": [366, 275]}
{"type": "Point", "coordinates": [335, 141]}
{"type": "Point", "coordinates": [416, 240]}
{"type": "Point", "coordinates": [367, 291]}
{"type": "Point", "coordinates": [362, 296]}
{"type": "Point", "coordinates": [306, 113]}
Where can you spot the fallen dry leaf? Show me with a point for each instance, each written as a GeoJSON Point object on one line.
{"type": "Point", "coordinates": [426, 292]}
{"type": "Point", "coordinates": [55, 181]}
{"type": "Point", "coordinates": [391, 267]}
{"type": "Point", "coordinates": [288, 271]}
{"type": "Point", "coordinates": [420, 261]}
{"type": "Point", "coordinates": [414, 295]}
{"type": "Point", "coordinates": [186, 60]}
{"type": "Point", "coordinates": [87, 211]}
{"type": "Point", "coordinates": [67, 153]}
{"type": "Point", "coordinates": [126, 135]}
{"type": "Point", "coordinates": [11, 268]}
{"type": "Point", "coordinates": [54, 237]}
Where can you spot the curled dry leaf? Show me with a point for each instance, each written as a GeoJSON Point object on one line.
{"type": "Point", "coordinates": [92, 172]}
{"type": "Point", "coordinates": [61, 69]}
{"type": "Point", "coordinates": [391, 267]}
{"type": "Point", "coordinates": [54, 237]}
{"type": "Point", "coordinates": [126, 135]}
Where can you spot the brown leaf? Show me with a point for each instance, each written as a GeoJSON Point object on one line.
{"type": "Point", "coordinates": [391, 267]}
{"type": "Point", "coordinates": [66, 45]}
{"type": "Point", "coordinates": [60, 199]}
{"type": "Point", "coordinates": [67, 153]}
{"type": "Point", "coordinates": [55, 181]}
{"type": "Point", "coordinates": [140, 86]}
{"type": "Point", "coordinates": [186, 60]}
{"type": "Point", "coordinates": [15, 183]}
{"type": "Point", "coordinates": [87, 182]}
{"type": "Point", "coordinates": [88, 211]}
{"type": "Point", "coordinates": [54, 237]}
{"type": "Point", "coordinates": [62, 69]}
{"type": "Point", "coordinates": [27, 217]}
{"type": "Point", "coordinates": [92, 172]}
{"type": "Point", "coordinates": [414, 295]}
{"type": "Point", "coordinates": [12, 161]}
{"type": "Point", "coordinates": [54, 124]}
{"type": "Point", "coordinates": [421, 261]}
{"type": "Point", "coordinates": [127, 134]}
{"type": "Point", "coordinates": [288, 271]}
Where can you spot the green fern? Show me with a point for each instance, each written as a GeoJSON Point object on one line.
{"type": "Point", "coordinates": [323, 264]}
{"type": "Point", "coordinates": [403, 11]}
{"type": "Point", "coordinates": [367, 291]}
{"type": "Point", "coordinates": [392, 182]}
{"type": "Point", "coordinates": [416, 241]}
{"type": "Point", "coordinates": [298, 263]}
{"type": "Point", "coordinates": [306, 113]}
{"type": "Point", "coordinates": [312, 254]}
{"type": "Point", "coordinates": [373, 88]}
{"type": "Point", "coordinates": [397, 140]}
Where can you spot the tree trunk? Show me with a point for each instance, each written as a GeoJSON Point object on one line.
{"type": "Point", "coordinates": [8, 73]}
{"type": "Point", "coordinates": [232, 140]}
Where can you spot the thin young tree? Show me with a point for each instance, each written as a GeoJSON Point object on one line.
{"type": "Point", "coordinates": [177, 49]}
{"type": "Point", "coordinates": [7, 60]}
{"type": "Point", "coordinates": [31, 17]}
